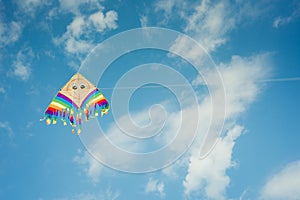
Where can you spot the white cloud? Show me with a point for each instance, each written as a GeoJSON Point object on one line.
{"type": "Point", "coordinates": [102, 22]}
{"type": "Point", "coordinates": [74, 46]}
{"type": "Point", "coordinates": [241, 82]}
{"type": "Point", "coordinates": [79, 39]}
{"type": "Point", "coordinates": [89, 21]}
{"type": "Point", "coordinates": [155, 186]}
{"type": "Point", "coordinates": [70, 5]}
{"type": "Point", "coordinates": [210, 173]}
{"type": "Point", "coordinates": [241, 78]}
{"type": "Point", "coordinates": [22, 64]}
{"type": "Point", "coordinates": [76, 27]}
{"type": "Point", "coordinates": [94, 168]}
{"type": "Point", "coordinates": [210, 23]}
{"type": "Point", "coordinates": [284, 184]}
{"type": "Point", "coordinates": [9, 32]}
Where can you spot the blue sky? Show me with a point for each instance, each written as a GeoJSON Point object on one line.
{"type": "Point", "coordinates": [255, 48]}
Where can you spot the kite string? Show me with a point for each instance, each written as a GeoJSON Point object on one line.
{"type": "Point", "coordinates": [188, 85]}
{"type": "Point", "coordinates": [281, 79]}
{"type": "Point", "coordinates": [145, 86]}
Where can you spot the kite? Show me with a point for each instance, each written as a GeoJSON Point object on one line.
{"type": "Point", "coordinates": [78, 99]}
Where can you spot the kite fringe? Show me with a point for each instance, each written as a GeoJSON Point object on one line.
{"type": "Point", "coordinates": [75, 115]}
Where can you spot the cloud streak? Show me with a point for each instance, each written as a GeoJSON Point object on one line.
{"type": "Point", "coordinates": [281, 21]}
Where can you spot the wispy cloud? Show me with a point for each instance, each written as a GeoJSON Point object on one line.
{"type": "Point", "coordinates": [29, 7]}
{"type": "Point", "coordinates": [280, 21]}
{"type": "Point", "coordinates": [78, 7]}
{"type": "Point", "coordinates": [284, 184]}
{"type": "Point", "coordinates": [144, 21]}
{"type": "Point", "coordinates": [2, 90]}
{"type": "Point", "coordinates": [10, 32]}
{"type": "Point", "coordinates": [165, 6]}
{"type": "Point", "coordinates": [91, 166]}
{"type": "Point", "coordinates": [209, 23]}
{"type": "Point", "coordinates": [22, 71]}
{"type": "Point", "coordinates": [6, 132]}
{"type": "Point", "coordinates": [155, 186]}
{"type": "Point", "coordinates": [22, 64]}
{"type": "Point", "coordinates": [172, 8]}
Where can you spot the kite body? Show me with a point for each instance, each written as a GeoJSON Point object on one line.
{"type": "Point", "coordinates": [77, 100]}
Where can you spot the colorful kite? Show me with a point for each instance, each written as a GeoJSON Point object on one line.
{"type": "Point", "coordinates": [78, 99]}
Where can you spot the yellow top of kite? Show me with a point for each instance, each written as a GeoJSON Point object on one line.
{"type": "Point", "coordinates": [77, 88]}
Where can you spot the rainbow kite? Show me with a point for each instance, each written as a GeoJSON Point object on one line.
{"type": "Point", "coordinates": [78, 99]}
